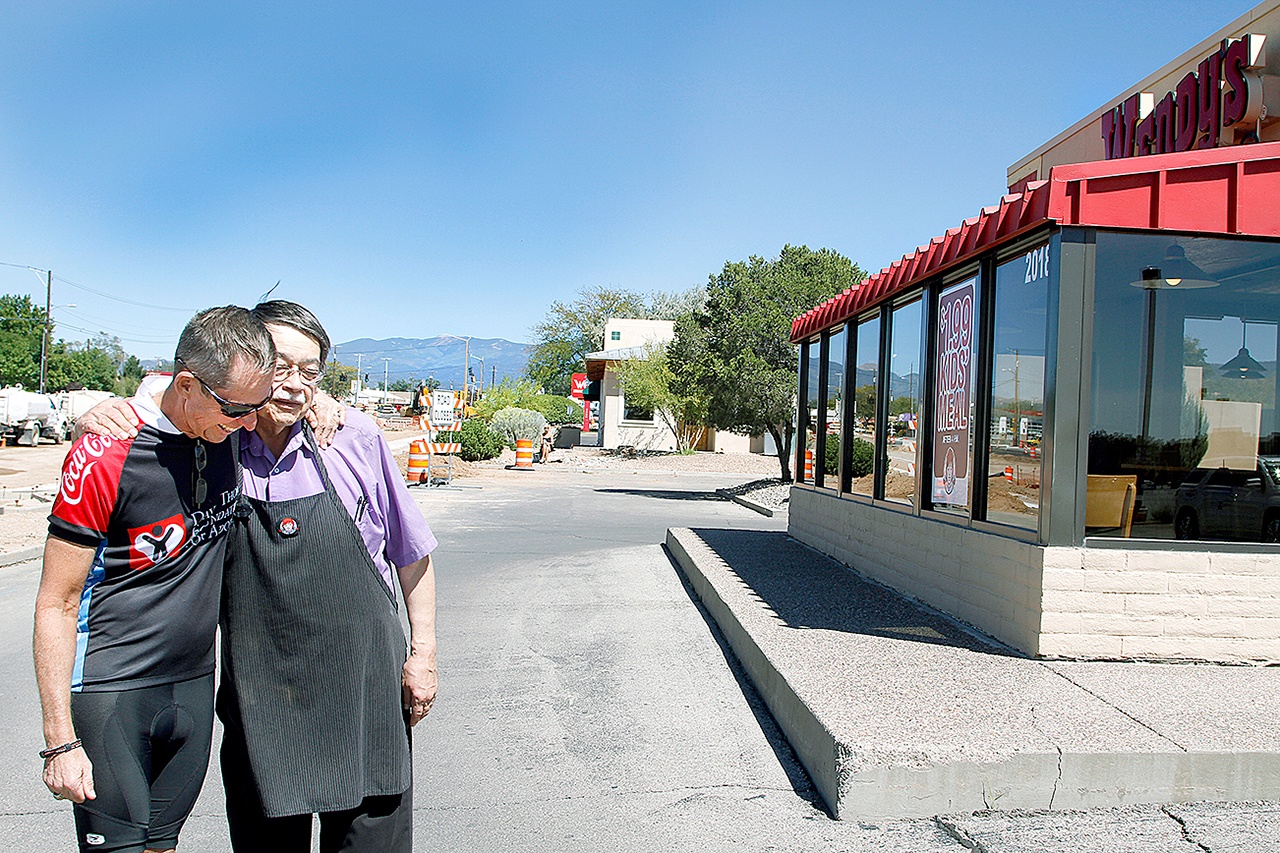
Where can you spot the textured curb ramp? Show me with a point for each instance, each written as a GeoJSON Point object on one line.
{"type": "Point", "coordinates": [897, 711]}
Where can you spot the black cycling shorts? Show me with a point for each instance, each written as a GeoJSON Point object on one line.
{"type": "Point", "coordinates": [150, 750]}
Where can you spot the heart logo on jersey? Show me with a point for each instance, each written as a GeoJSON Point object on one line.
{"type": "Point", "coordinates": [288, 527]}
{"type": "Point", "coordinates": [152, 544]}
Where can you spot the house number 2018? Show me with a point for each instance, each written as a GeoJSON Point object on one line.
{"type": "Point", "coordinates": [1037, 264]}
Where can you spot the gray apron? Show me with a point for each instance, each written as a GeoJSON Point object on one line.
{"type": "Point", "coordinates": [312, 651]}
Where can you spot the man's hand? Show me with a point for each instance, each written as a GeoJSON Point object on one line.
{"type": "Point", "coordinates": [326, 417]}
{"type": "Point", "coordinates": [70, 776]}
{"type": "Point", "coordinates": [113, 417]}
{"type": "Point", "coordinates": [419, 681]}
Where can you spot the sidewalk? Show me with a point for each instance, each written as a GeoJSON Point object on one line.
{"type": "Point", "coordinates": [898, 711]}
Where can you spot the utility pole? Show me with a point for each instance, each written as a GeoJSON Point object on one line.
{"type": "Point", "coordinates": [386, 366]}
{"type": "Point", "coordinates": [466, 371]}
{"type": "Point", "coordinates": [44, 337]}
{"type": "Point", "coordinates": [359, 377]}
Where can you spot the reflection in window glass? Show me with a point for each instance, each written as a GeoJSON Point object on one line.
{"type": "Point", "coordinates": [805, 474]}
{"type": "Point", "coordinates": [953, 398]}
{"type": "Point", "coordinates": [1184, 440]}
{"type": "Point", "coordinates": [1017, 390]}
{"type": "Point", "coordinates": [865, 381]}
{"type": "Point", "coordinates": [835, 381]}
{"type": "Point", "coordinates": [905, 401]}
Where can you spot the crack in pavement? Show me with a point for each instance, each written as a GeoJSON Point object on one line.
{"type": "Point", "coordinates": [1035, 724]}
{"type": "Point", "coordinates": [956, 832]}
{"type": "Point", "coordinates": [1113, 706]}
{"type": "Point", "coordinates": [1186, 836]}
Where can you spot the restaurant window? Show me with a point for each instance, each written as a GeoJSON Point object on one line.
{"type": "Point", "coordinates": [638, 414]}
{"type": "Point", "coordinates": [906, 395]}
{"type": "Point", "coordinates": [1183, 436]}
{"type": "Point", "coordinates": [1017, 389]}
{"type": "Point", "coordinates": [865, 402]}
{"type": "Point", "coordinates": [813, 354]}
{"type": "Point", "coordinates": [953, 398]}
{"type": "Point", "coordinates": [831, 417]}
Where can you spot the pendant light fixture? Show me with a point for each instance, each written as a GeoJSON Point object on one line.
{"type": "Point", "coordinates": [1243, 366]}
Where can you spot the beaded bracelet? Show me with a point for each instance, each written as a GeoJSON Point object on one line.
{"type": "Point", "coordinates": [46, 754]}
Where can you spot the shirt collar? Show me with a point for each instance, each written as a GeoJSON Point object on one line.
{"type": "Point", "coordinates": [257, 447]}
{"type": "Point", "coordinates": [144, 405]}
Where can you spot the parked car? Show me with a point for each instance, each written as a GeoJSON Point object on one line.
{"type": "Point", "coordinates": [1226, 503]}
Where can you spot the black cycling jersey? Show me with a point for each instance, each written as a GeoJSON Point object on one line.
{"type": "Point", "coordinates": [150, 603]}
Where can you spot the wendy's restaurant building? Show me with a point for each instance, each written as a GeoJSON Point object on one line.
{"type": "Point", "coordinates": [1058, 420]}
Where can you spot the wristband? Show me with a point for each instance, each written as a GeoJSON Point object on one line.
{"type": "Point", "coordinates": [46, 754]}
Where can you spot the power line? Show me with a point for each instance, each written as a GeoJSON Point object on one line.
{"type": "Point", "coordinates": [122, 299]}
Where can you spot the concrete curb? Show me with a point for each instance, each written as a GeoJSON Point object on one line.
{"type": "Point", "coordinates": [750, 504]}
{"type": "Point", "coordinates": [21, 555]}
{"type": "Point", "coordinates": [869, 780]}
{"type": "Point", "coordinates": [813, 742]}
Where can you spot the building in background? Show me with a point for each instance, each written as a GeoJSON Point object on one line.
{"type": "Point", "coordinates": [622, 425]}
{"type": "Point", "coordinates": [1090, 373]}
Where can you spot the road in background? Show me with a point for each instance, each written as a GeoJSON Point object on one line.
{"type": "Point", "coordinates": [585, 702]}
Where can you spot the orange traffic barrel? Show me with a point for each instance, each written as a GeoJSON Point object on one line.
{"type": "Point", "coordinates": [524, 453]}
{"type": "Point", "coordinates": [808, 466]}
{"type": "Point", "coordinates": [419, 460]}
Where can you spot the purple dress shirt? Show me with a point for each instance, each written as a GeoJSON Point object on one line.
{"type": "Point", "coordinates": [392, 526]}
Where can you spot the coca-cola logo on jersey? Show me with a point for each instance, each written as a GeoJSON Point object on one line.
{"type": "Point", "coordinates": [79, 463]}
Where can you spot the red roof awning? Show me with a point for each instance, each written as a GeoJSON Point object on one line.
{"type": "Point", "coordinates": [1233, 190]}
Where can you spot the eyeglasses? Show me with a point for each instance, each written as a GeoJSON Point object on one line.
{"type": "Point", "coordinates": [308, 374]}
{"type": "Point", "coordinates": [228, 408]}
{"type": "Point", "coordinates": [200, 489]}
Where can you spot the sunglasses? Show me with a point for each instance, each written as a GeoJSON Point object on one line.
{"type": "Point", "coordinates": [200, 489]}
{"type": "Point", "coordinates": [228, 408]}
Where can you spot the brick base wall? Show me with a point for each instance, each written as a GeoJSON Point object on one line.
{"type": "Point", "coordinates": [1058, 602]}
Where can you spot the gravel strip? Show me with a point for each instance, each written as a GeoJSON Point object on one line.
{"type": "Point", "coordinates": [772, 493]}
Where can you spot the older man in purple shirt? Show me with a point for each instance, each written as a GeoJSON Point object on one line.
{"type": "Point", "coordinates": [317, 694]}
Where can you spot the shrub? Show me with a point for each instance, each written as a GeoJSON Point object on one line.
{"type": "Point", "coordinates": [864, 458]}
{"type": "Point", "coordinates": [521, 393]}
{"type": "Point", "coordinates": [553, 408]}
{"type": "Point", "coordinates": [512, 423]}
{"type": "Point", "coordinates": [477, 440]}
{"type": "Point", "coordinates": [831, 456]}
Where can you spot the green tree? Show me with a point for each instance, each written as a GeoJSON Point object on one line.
{"type": "Point", "coordinates": [132, 368]}
{"type": "Point", "coordinates": [337, 379]}
{"type": "Point", "coordinates": [748, 364]}
{"type": "Point", "coordinates": [651, 381]}
{"type": "Point", "coordinates": [21, 324]}
{"type": "Point", "coordinates": [86, 365]}
{"type": "Point", "coordinates": [1193, 354]}
{"type": "Point", "coordinates": [570, 330]}
{"type": "Point", "coordinates": [524, 394]}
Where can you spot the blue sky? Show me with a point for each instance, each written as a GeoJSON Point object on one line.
{"type": "Point", "coordinates": [419, 169]}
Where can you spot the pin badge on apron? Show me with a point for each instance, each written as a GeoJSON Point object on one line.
{"type": "Point", "coordinates": [288, 527]}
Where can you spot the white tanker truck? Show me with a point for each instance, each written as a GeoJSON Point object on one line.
{"type": "Point", "coordinates": [26, 417]}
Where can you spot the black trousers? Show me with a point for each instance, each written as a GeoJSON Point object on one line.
{"type": "Point", "coordinates": [382, 824]}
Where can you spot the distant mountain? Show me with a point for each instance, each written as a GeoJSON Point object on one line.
{"type": "Point", "coordinates": [440, 358]}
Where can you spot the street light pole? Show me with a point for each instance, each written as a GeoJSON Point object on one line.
{"type": "Point", "coordinates": [386, 366]}
{"type": "Point", "coordinates": [44, 337]}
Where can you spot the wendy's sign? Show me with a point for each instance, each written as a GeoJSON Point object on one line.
{"type": "Point", "coordinates": [953, 395]}
{"type": "Point", "coordinates": [1220, 103]}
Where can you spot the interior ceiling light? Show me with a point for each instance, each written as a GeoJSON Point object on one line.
{"type": "Point", "coordinates": [1174, 273]}
{"type": "Point", "coordinates": [1243, 366]}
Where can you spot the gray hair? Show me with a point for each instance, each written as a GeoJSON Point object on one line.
{"type": "Point", "coordinates": [216, 337]}
{"type": "Point", "coordinates": [281, 312]}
